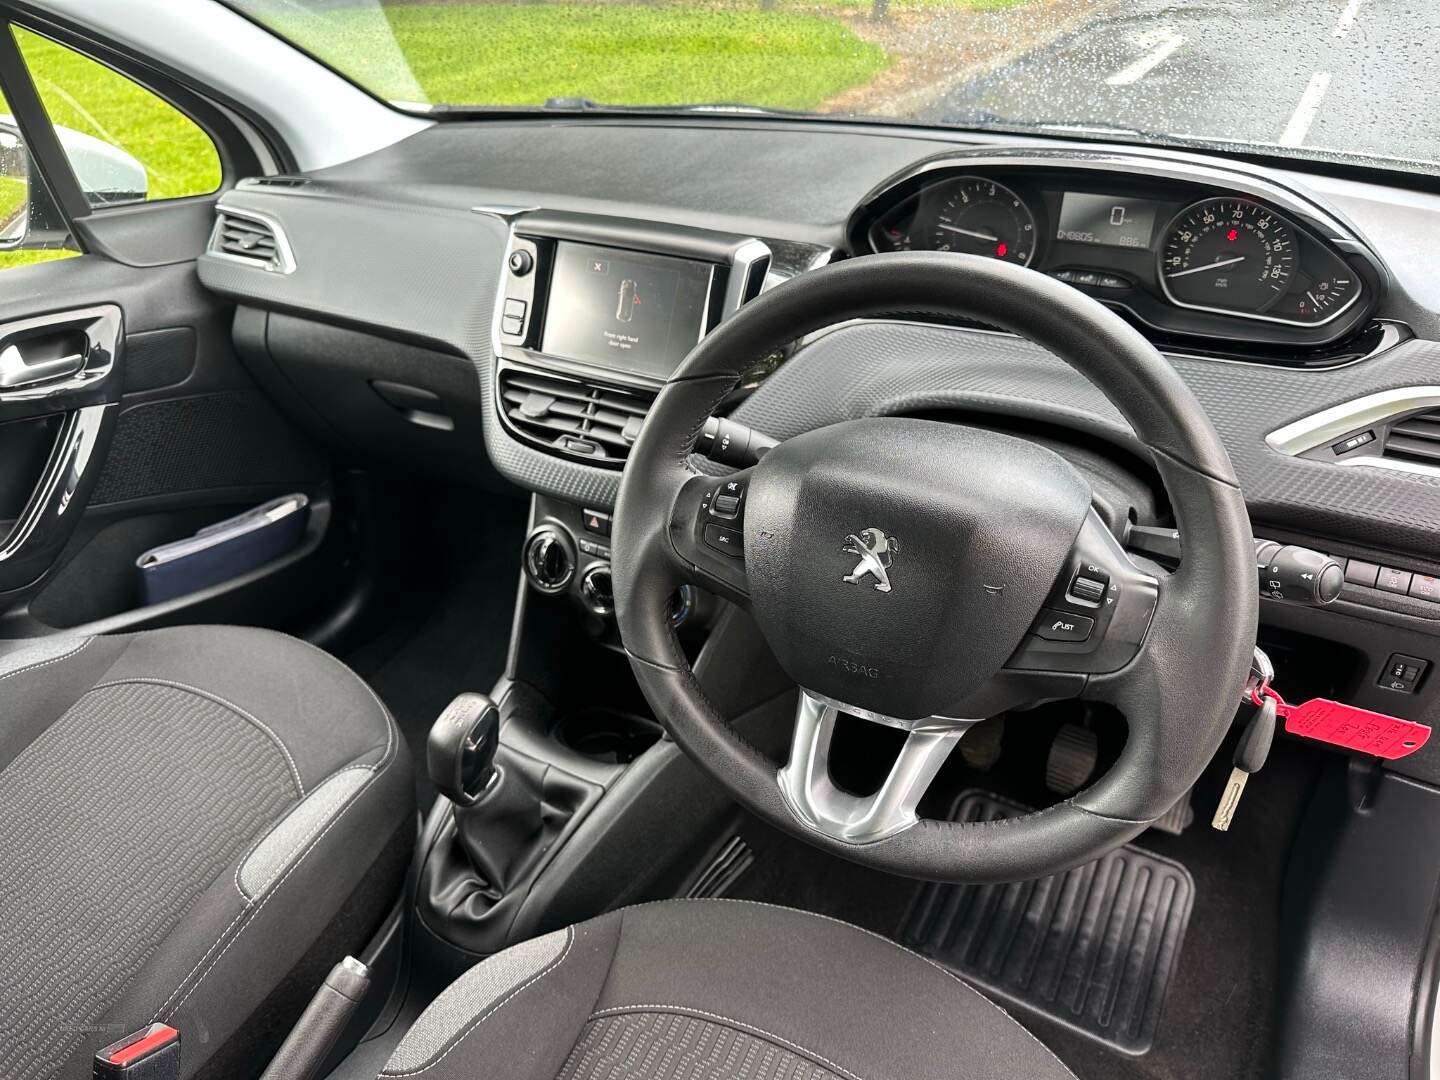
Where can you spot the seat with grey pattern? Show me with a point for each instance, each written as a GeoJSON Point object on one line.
{"type": "Point", "coordinates": [715, 990]}
{"type": "Point", "coordinates": [198, 822]}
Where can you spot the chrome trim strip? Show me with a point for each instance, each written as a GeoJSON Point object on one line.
{"type": "Point", "coordinates": [70, 461]}
{"type": "Point", "coordinates": [1330, 424]}
{"type": "Point", "coordinates": [284, 260]}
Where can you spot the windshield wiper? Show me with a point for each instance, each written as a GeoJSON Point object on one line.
{"type": "Point", "coordinates": [585, 104]}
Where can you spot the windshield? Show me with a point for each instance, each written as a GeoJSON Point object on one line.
{"type": "Point", "coordinates": [1346, 79]}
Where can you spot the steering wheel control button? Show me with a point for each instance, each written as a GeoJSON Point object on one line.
{"type": "Point", "coordinates": [596, 522]}
{"type": "Point", "coordinates": [1052, 624]}
{"type": "Point", "coordinates": [726, 500]}
{"type": "Point", "coordinates": [1403, 673]}
{"type": "Point", "coordinates": [728, 541]}
{"type": "Point", "coordinates": [1359, 572]}
{"type": "Point", "coordinates": [1392, 580]}
{"type": "Point", "coordinates": [1090, 586]}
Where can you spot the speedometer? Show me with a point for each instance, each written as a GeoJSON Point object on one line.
{"type": "Point", "coordinates": [1227, 255]}
{"type": "Point", "coordinates": [980, 217]}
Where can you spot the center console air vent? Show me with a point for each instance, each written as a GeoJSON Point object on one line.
{"type": "Point", "coordinates": [252, 238]}
{"type": "Point", "coordinates": [579, 419]}
{"type": "Point", "coordinates": [1416, 438]}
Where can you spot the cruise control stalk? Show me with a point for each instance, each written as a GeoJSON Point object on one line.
{"type": "Point", "coordinates": [730, 443]}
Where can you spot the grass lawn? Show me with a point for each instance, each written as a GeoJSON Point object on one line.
{"type": "Point", "coordinates": [80, 94]}
{"type": "Point", "coordinates": [12, 194]}
{"type": "Point", "coordinates": [521, 54]}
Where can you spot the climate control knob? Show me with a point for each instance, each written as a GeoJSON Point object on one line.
{"type": "Point", "coordinates": [549, 562]}
{"type": "Point", "coordinates": [597, 589]}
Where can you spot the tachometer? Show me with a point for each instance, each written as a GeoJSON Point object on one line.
{"type": "Point", "coordinates": [1227, 255]}
{"type": "Point", "coordinates": [980, 217]}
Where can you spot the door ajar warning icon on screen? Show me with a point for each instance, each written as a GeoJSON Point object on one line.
{"type": "Point", "coordinates": [625, 307]}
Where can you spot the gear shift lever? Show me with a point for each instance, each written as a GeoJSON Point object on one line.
{"type": "Point", "coordinates": [460, 752]}
{"type": "Point", "coordinates": [509, 810]}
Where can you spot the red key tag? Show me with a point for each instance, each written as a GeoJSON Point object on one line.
{"type": "Point", "coordinates": [1343, 725]}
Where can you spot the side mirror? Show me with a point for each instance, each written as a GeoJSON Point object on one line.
{"type": "Point", "coordinates": [108, 176]}
{"type": "Point", "coordinates": [14, 186]}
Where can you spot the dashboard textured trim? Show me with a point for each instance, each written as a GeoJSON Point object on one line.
{"type": "Point", "coordinates": [875, 369]}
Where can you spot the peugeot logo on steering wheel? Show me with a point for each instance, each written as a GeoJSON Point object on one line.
{"type": "Point", "coordinates": [876, 551]}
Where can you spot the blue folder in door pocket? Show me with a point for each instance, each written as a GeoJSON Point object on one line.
{"type": "Point", "coordinates": [224, 550]}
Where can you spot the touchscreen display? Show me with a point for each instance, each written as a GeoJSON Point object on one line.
{"type": "Point", "coordinates": [1108, 220]}
{"type": "Point", "coordinates": [624, 309]}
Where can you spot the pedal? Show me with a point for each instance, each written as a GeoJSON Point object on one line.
{"type": "Point", "coordinates": [981, 746]}
{"type": "Point", "coordinates": [1178, 818]}
{"type": "Point", "coordinates": [1072, 759]}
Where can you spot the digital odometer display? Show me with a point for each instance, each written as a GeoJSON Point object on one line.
{"type": "Point", "coordinates": [1228, 255]}
{"type": "Point", "coordinates": [1107, 220]}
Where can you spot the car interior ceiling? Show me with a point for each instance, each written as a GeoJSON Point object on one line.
{"type": "Point", "coordinates": [922, 526]}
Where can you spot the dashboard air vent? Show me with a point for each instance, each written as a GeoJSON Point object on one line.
{"type": "Point", "coordinates": [251, 238]}
{"type": "Point", "coordinates": [579, 419]}
{"type": "Point", "coordinates": [1415, 438]}
{"type": "Point", "coordinates": [279, 181]}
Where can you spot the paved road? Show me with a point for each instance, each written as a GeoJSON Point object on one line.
{"type": "Point", "coordinates": [1350, 75]}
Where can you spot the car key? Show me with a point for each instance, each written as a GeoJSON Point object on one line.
{"type": "Point", "coordinates": [1250, 755]}
{"type": "Point", "coordinates": [1254, 744]}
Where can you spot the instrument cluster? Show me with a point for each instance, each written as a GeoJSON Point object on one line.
{"type": "Point", "coordinates": [1183, 254]}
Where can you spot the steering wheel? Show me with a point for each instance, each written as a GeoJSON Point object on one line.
{"type": "Point", "coordinates": [926, 576]}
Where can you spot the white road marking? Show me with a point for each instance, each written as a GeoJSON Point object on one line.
{"type": "Point", "coordinates": [1304, 115]}
{"type": "Point", "coordinates": [1169, 42]}
{"type": "Point", "coordinates": [1347, 18]}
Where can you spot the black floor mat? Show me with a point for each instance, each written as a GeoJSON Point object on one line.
{"type": "Point", "coordinates": [1220, 1015]}
{"type": "Point", "coordinates": [1093, 949]}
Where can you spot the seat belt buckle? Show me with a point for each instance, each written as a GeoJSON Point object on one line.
{"type": "Point", "coordinates": [152, 1053]}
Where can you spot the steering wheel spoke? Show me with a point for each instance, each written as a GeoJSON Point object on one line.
{"type": "Point", "coordinates": [819, 803]}
{"type": "Point", "coordinates": [707, 534]}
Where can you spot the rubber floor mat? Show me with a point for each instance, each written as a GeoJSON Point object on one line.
{"type": "Point", "coordinates": [1093, 948]}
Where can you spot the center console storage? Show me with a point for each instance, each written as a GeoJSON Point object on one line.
{"type": "Point", "coordinates": [593, 806]}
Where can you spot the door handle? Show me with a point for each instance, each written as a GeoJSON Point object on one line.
{"type": "Point", "coordinates": [17, 372]}
{"type": "Point", "coordinates": [60, 362]}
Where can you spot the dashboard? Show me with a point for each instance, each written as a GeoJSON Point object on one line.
{"type": "Point", "coordinates": [502, 302]}
{"type": "Point", "coordinates": [1179, 250]}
